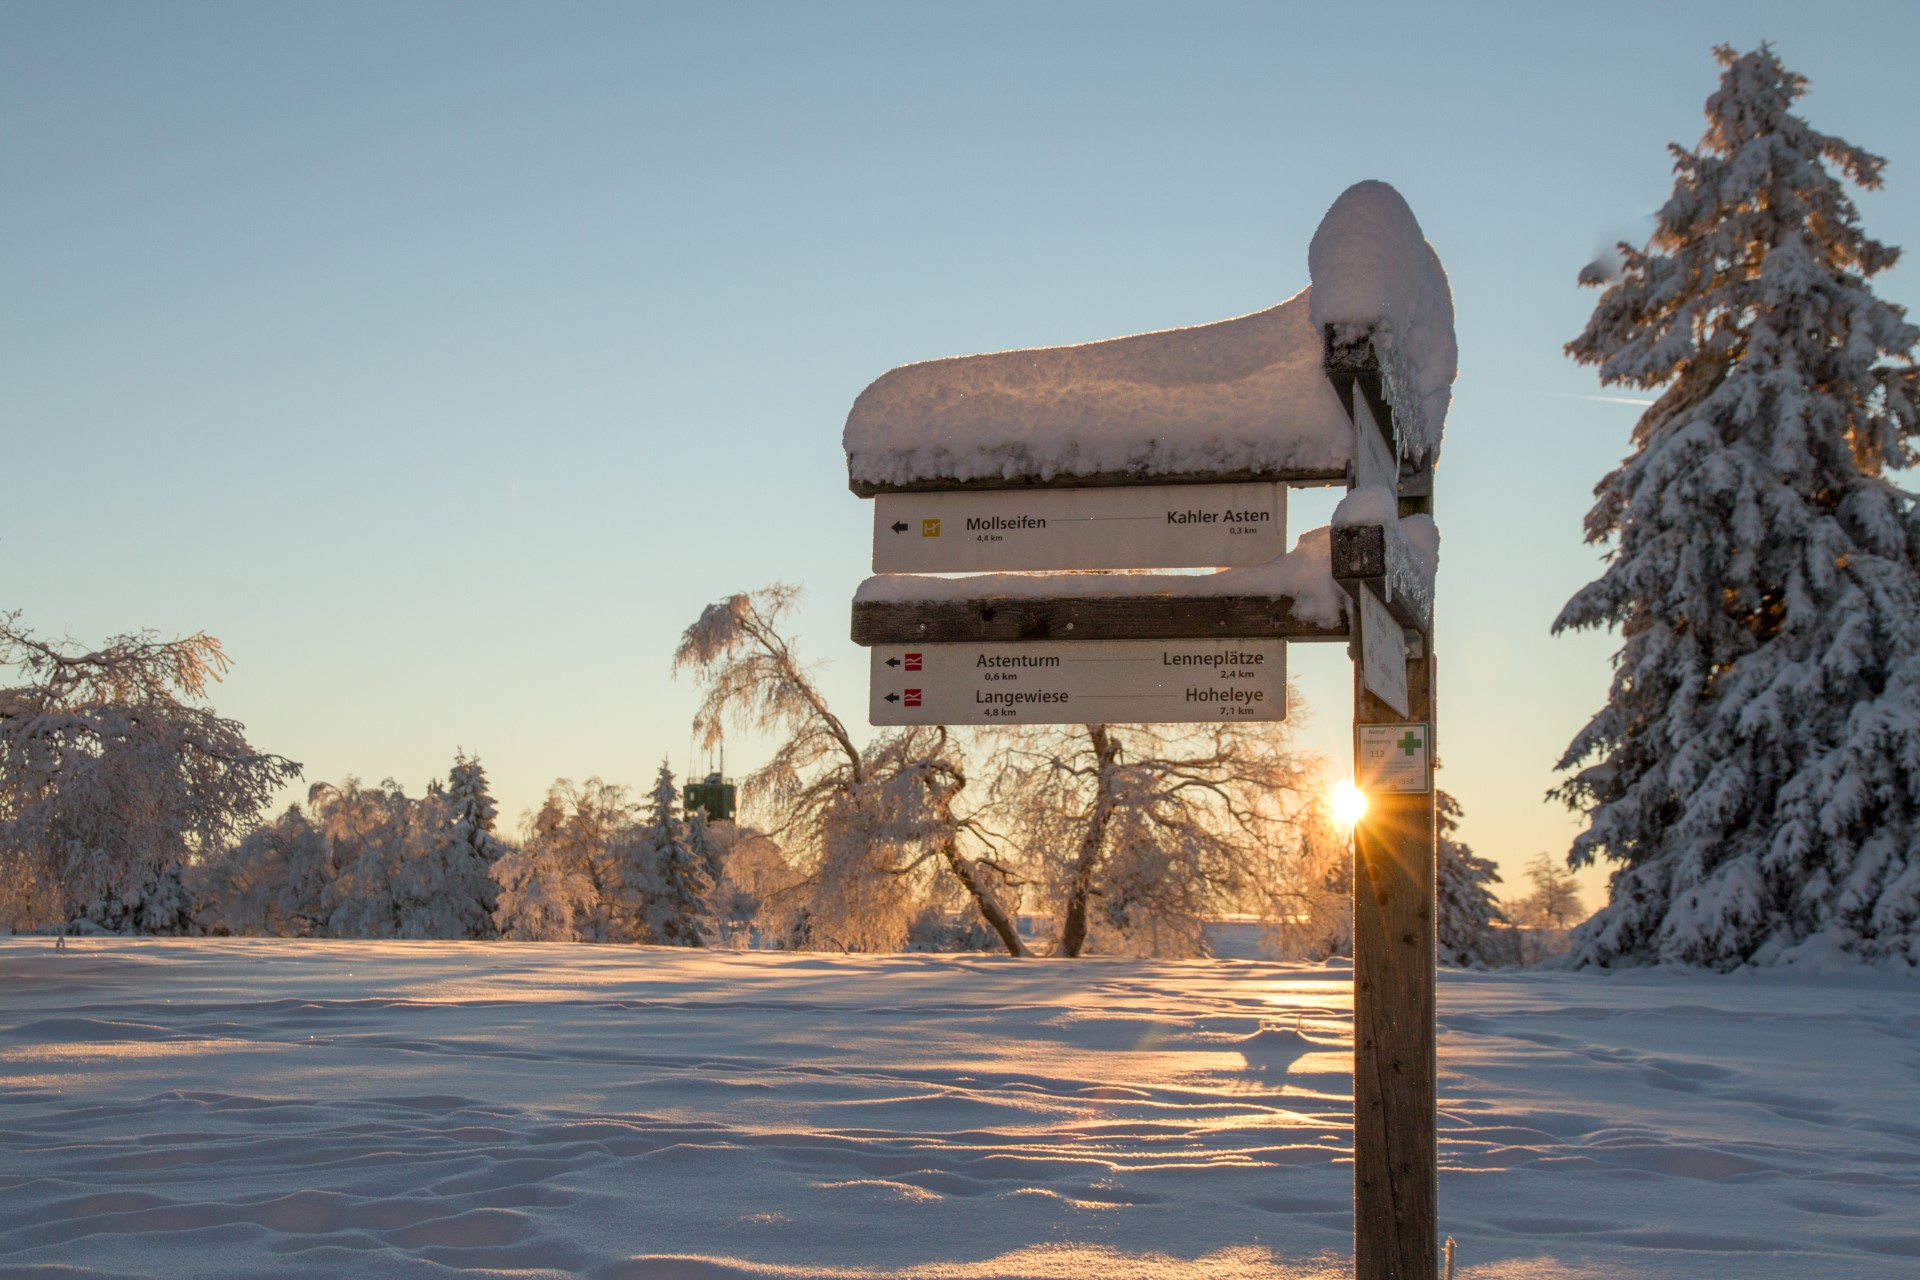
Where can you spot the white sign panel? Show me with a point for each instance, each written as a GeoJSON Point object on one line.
{"type": "Point", "coordinates": [1383, 651]}
{"type": "Point", "coordinates": [1393, 757]}
{"type": "Point", "coordinates": [1079, 682]}
{"type": "Point", "coordinates": [1145, 527]}
{"type": "Point", "coordinates": [1373, 460]}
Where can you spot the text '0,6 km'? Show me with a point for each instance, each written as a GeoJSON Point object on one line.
{"type": "Point", "coordinates": [1080, 682]}
{"type": "Point", "coordinates": [1149, 527]}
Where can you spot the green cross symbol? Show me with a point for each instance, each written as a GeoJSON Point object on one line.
{"type": "Point", "coordinates": [1409, 742]}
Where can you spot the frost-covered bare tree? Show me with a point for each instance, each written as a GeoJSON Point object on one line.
{"type": "Point", "coordinates": [1755, 772]}
{"type": "Point", "coordinates": [1554, 902]}
{"type": "Point", "coordinates": [115, 776]}
{"type": "Point", "coordinates": [1138, 833]}
{"type": "Point", "coordinates": [372, 833]}
{"type": "Point", "coordinates": [869, 826]}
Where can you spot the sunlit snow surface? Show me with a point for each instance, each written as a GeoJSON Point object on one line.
{"type": "Point", "coordinates": [267, 1108]}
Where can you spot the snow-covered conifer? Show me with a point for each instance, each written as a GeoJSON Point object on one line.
{"type": "Point", "coordinates": [1466, 917]}
{"type": "Point", "coordinates": [447, 889]}
{"type": "Point", "coordinates": [1756, 768]}
{"type": "Point", "coordinates": [675, 881]}
{"type": "Point", "coordinates": [473, 809]}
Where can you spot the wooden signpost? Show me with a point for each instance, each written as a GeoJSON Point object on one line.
{"type": "Point", "coordinates": [1078, 650]}
{"type": "Point", "coordinates": [1396, 1211]}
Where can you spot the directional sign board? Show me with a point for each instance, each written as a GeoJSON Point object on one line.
{"type": "Point", "coordinates": [1393, 757]}
{"type": "Point", "coordinates": [1149, 527]}
{"type": "Point", "coordinates": [1383, 651]}
{"type": "Point", "coordinates": [1374, 462]}
{"type": "Point", "coordinates": [1080, 682]}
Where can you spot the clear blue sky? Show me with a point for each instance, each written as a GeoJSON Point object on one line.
{"type": "Point", "coordinates": [445, 359]}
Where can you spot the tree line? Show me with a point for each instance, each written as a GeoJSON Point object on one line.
{"type": "Point", "coordinates": [127, 805]}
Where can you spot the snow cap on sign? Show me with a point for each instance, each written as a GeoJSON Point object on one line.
{"type": "Point", "coordinates": [1240, 395]}
{"type": "Point", "coordinates": [1373, 271]}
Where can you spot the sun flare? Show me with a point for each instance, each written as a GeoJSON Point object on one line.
{"type": "Point", "coordinates": [1349, 803]}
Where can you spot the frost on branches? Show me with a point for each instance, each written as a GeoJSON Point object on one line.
{"type": "Point", "coordinates": [574, 877]}
{"type": "Point", "coordinates": [1756, 768]}
{"type": "Point", "coordinates": [875, 828]}
{"type": "Point", "coordinates": [114, 778]}
{"type": "Point", "coordinates": [1136, 835]}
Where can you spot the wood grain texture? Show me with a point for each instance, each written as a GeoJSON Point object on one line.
{"type": "Point", "coordinates": [1395, 1177]}
{"type": "Point", "coordinates": [1363, 554]}
{"type": "Point", "coordinates": [1090, 618]}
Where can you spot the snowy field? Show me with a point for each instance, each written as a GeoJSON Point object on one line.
{"type": "Point", "coordinates": [269, 1108]}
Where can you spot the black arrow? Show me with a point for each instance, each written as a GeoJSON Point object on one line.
{"type": "Point", "coordinates": [893, 662]}
{"type": "Point", "coordinates": [893, 697]}
{"type": "Point", "coordinates": [899, 526]}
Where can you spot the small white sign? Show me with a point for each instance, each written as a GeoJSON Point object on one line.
{"type": "Point", "coordinates": [1373, 459]}
{"type": "Point", "coordinates": [1383, 651]}
{"type": "Point", "coordinates": [1393, 757]}
{"type": "Point", "coordinates": [1079, 682]}
{"type": "Point", "coordinates": [1144, 527]}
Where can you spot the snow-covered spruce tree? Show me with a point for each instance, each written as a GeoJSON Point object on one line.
{"type": "Point", "coordinates": [447, 889]}
{"type": "Point", "coordinates": [114, 778]}
{"type": "Point", "coordinates": [473, 808]}
{"type": "Point", "coordinates": [1756, 768]}
{"type": "Point", "coordinates": [1466, 918]}
{"type": "Point", "coordinates": [674, 885]}
{"type": "Point", "coordinates": [868, 825]}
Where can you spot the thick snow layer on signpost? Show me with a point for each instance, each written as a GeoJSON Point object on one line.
{"type": "Point", "coordinates": [1242, 395]}
{"type": "Point", "coordinates": [1373, 271]}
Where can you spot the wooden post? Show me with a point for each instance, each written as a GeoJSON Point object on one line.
{"type": "Point", "coordinates": [1395, 1158]}
{"type": "Point", "coordinates": [1395, 1166]}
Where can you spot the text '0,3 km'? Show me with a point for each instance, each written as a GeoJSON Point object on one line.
{"type": "Point", "coordinates": [1149, 527]}
{"type": "Point", "coordinates": [1080, 682]}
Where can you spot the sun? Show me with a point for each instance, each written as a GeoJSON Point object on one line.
{"type": "Point", "coordinates": [1349, 803]}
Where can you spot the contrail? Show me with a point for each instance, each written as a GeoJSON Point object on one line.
{"type": "Point", "coordinates": [1567, 395]}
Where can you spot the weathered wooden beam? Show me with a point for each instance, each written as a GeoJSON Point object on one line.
{"type": "Point", "coordinates": [1395, 1170]}
{"type": "Point", "coordinates": [1372, 555]}
{"type": "Point", "coordinates": [1353, 365]}
{"type": "Point", "coordinates": [1085, 618]}
{"type": "Point", "coordinates": [1302, 476]}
